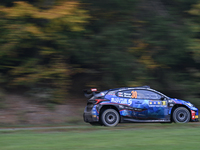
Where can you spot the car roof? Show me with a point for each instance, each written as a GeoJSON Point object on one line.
{"type": "Point", "coordinates": [129, 88]}
{"type": "Point", "coordinates": [146, 87]}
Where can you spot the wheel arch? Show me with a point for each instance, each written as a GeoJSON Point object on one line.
{"type": "Point", "coordinates": [176, 106]}
{"type": "Point", "coordinates": [104, 107]}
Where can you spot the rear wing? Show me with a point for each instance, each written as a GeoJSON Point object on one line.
{"type": "Point", "coordinates": [90, 92]}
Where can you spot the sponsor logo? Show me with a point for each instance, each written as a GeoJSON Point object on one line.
{"type": "Point", "coordinates": [120, 94]}
{"type": "Point", "coordinates": [102, 94]}
{"type": "Point", "coordinates": [134, 94]}
{"type": "Point", "coordinates": [111, 93]}
{"type": "Point", "coordinates": [121, 101]}
{"type": "Point", "coordinates": [93, 90]}
{"type": "Point", "coordinates": [93, 112]}
{"type": "Point", "coordinates": [193, 114]}
{"type": "Point", "coordinates": [128, 95]}
{"type": "Point", "coordinates": [163, 102]}
{"type": "Point", "coordinates": [157, 104]}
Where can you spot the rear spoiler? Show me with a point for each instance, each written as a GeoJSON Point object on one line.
{"type": "Point", "coordinates": [90, 92]}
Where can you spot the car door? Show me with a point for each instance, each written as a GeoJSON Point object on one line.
{"type": "Point", "coordinates": [148, 105]}
{"type": "Point", "coordinates": [140, 104]}
{"type": "Point", "coordinates": [124, 97]}
{"type": "Point", "coordinates": [157, 107]}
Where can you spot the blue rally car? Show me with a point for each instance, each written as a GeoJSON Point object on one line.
{"type": "Point", "coordinates": [135, 104]}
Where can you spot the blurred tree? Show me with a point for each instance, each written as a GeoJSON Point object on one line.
{"type": "Point", "coordinates": [35, 45]}
{"type": "Point", "coordinates": [195, 48]}
{"type": "Point", "coordinates": [58, 44]}
{"type": "Point", "coordinates": [195, 27]}
{"type": "Point", "coordinates": [102, 48]}
{"type": "Point", "coordinates": [165, 39]}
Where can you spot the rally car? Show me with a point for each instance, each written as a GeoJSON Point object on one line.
{"type": "Point", "coordinates": [135, 104]}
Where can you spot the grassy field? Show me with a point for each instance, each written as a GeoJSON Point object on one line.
{"type": "Point", "coordinates": [126, 137]}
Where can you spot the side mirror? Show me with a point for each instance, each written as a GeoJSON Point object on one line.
{"type": "Point", "coordinates": [162, 98]}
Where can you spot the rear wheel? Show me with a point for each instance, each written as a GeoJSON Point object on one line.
{"type": "Point", "coordinates": [181, 115]}
{"type": "Point", "coordinates": [110, 117]}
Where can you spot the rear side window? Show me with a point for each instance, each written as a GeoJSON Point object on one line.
{"type": "Point", "coordinates": [139, 94]}
{"type": "Point", "coordinates": [145, 94]}
{"type": "Point", "coordinates": [125, 94]}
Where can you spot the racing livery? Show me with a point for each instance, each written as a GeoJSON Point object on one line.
{"type": "Point", "coordinates": [135, 104]}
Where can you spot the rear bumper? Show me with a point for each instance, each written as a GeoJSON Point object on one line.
{"type": "Point", "coordinates": [90, 116]}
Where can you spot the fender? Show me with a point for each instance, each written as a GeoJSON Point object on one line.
{"type": "Point", "coordinates": [124, 110]}
{"type": "Point", "coordinates": [108, 105]}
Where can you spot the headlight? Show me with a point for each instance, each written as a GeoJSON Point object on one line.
{"type": "Point", "coordinates": [189, 104]}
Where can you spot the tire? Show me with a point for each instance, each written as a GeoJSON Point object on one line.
{"type": "Point", "coordinates": [181, 115]}
{"type": "Point", "coordinates": [110, 117]}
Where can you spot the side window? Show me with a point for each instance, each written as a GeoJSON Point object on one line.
{"type": "Point", "coordinates": [128, 94]}
{"type": "Point", "coordinates": [125, 94]}
{"type": "Point", "coordinates": [145, 94]}
{"type": "Point", "coordinates": [139, 94]}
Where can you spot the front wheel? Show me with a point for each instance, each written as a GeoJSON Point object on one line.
{"type": "Point", "coordinates": [181, 115]}
{"type": "Point", "coordinates": [110, 117]}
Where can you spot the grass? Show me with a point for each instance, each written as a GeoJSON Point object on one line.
{"type": "Point", "coordinates": [126, 137]}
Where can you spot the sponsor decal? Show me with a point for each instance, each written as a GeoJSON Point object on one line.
{"type": "Point", "coordinates": [111, 93]}
{"type": "Point", "coordinates": [120, 94]}
{"type": "Point", "coordinates": [157, 104]}
{"type": "Point", "coordinates": [102, 94]}
{"type": "Point", "coordinates": [93, 90]}
{"type": "Point", "coordinates": [121, 106]}
{"type": "Point", "coordinates": [163, 102]}
{"type": "Point", "coordinates": [125, 113]}
{"type": "Point", "coordinates": [134, 94]}
{"type": "Point", "coordinates": [193, 114]}
{"type": "Point", "coordinates": [127, 95]}
{"type": "Point", "coordinates": [93, 112]}
{"type": "Point", "coordinates": [121, 101]}
{"type": "Point", "coordinates": [137, 109]}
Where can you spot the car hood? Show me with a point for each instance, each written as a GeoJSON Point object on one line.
{"type": "Point", "coordinates": [182, 102]}
{"type": "Point", "coordinates": [179, 101]}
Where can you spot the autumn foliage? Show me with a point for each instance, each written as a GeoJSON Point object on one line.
{"type": "Point", "coordinates": [64, 46]}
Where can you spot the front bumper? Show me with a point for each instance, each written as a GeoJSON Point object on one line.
{"type": "Point", "coordinates": [194, 115]}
